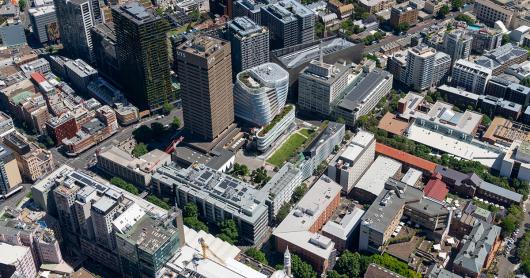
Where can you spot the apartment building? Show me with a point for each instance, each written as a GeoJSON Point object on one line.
{"type": "Point", "coordinates": [470, 76]}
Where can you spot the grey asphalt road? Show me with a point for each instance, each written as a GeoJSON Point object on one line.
{"type": "Point", "coordinates": [13, 200]}
{"type": "Point", "coordinates": [82, 160]}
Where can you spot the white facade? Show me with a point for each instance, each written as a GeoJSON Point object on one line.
{"type": "Point", "coordinates": [260, 93]}
{"type": "Point", "coordinates": [320, 85]}
{"type": "Point", "coordinates": [348, 167]}
{"type": "Point", "coordinates": [281, 187]}
{"type": "Point", "coordinates": [517, 154]}
{"type": "Point", "coordinates": [265, 141]}
{"type": "Point", "coordinates": [420, 67]}
{"type": "Point", "coordinates": [470, 76]}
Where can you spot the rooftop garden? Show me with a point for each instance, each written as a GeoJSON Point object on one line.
{"type": "Point", "coordinates": [287, 150]}
{"type": "Point", "coordinates": [276, 120]}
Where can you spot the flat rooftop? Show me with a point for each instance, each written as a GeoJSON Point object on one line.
{"type": "Point", "coordinates": [296, 58]}
{"type": "Point", "coordinates": [295, 227]}
{"type": "Point", "coordinates": [149, 234]}
{"type": "Point", "coordinates": [374, 179]}
{"type": "Point", "coordinates": [485, 154]}
{"type": "Point", "coordinates": [363, 90]}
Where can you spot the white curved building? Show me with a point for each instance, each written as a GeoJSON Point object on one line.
{"type": "Point", "coordinates": [260, 93]}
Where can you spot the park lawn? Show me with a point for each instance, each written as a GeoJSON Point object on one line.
{"type": "Point", "coordinates": [287, 150]}
{"type": "Point", "coordinates": [306, 132]}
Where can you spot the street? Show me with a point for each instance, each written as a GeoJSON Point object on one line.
{"type": "Point", "coordinates": [415, 29]}
{"type": "Point", "coordinates": [13, 201]}
{"type": "Point", "coordinates": [123, 133]}
{"type": "Point", "coordinates": [505, 264]}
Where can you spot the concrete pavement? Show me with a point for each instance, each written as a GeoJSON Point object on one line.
{"type": "Point", "coordinates": [123, 133]}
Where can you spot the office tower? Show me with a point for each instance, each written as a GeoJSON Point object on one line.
{"type": "Point", "coordinates": [250, 9]}
{"type": "Point", "coordinates": [319, 85]}
{"type": "Point", "coordinates": [9, 173]}
{"type": "Point", "coordinates": [289, 22]}
{"type": "Point", "coordinates": [420, 65]}
{"type": "Point", "coordinates": [222, 7]}
{"type": "Point", "coordinates": [205, 73]}
{"type": "Point", "coordinates": [470, 76]}
{"type": "Point", "coordinates": [75, 21]}
{"type": "Point", "coordinates": [97, 14]}
{"type": "Point", "coordinates": [143, 55]}
{"type": "Point", "coordinates": [457, 44]}
{"type": "Point", "coordinates": [249, 42]}
{"type": "Point", "coordinates": [145, 246]}
{"type": "Point", "coordinates": [44, 23]}
{"type": "Point", "coordinates": [260, 93]}
{"type": "Point", "coordinates": [104, 40]}
{"type": "Point", "coordinates": [442, 67]}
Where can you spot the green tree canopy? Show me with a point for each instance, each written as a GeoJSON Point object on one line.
{"type": "Point", "coordinates": [349, 264]}
{"type": "Point", "coordinates": [298, 193]}
{"type": "Point", "coordinates": [190, 210]}
{"type": "Point", "coordinates": [228, 231]}
{"type": "Point", "coordinates": [158, 129]}
{"type": "Point", "coordinates": [258, 255]}
{"type": "Point", "coordinates": [301, 269]}
{"type": "Point", "coordinates": [175, 124]}
{"type": "Point", "coordinates": [143, 134]}
{"type": "Point", "coordinates": [119, 182]}
{"type": "Point", "coordinates": [158, 202]}
{"type": "Point", "coordinates": [166, 108]}
{"type": "Point", "coordinates": [139, 150]}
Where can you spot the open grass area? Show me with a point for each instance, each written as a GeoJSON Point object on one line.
{"type": "Point", "coordinates": [306, 132]}
{"type": "Point", "coordinates": [287, 150]}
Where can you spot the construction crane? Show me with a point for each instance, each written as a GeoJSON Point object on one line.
{"type": "Point", "coordinates": [205, 248]}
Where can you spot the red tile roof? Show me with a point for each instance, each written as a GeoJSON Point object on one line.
{"type": "Point", "coordinates": [436, 189]}
{"type": "Point", "coordinates": [406, 158]}
{"type": "Point", "coordinates": [38, 77]}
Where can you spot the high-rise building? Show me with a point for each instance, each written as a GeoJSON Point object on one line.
{"type": "Point", "coordinates": [249, 8]}
{"type": "Point", "coordinates": [44, 23]}
{"type": "Point", "coordinates": [104, 40]}
{"type": "Point", "coordinates": [143, 55]}
{"type": "Point", "coordinates": [249, 42]}
{"type": "Point", "coordinates": [289, 22]}
{"type": "Point", "coordinates": [420, 66]}
{"type": "Point", "coordinates": [260, 93]}
{"type": "Point", "coordinates": [145, 246]}
{"type": "Point", "coordinates": [470, 76]}
{"type": "Point", "coordinates": [205, 73]}
{"type": "Point", "coordinates": [9, 173]}
{"type": "Point", "coordinates": [319, 85]}
{"type": "Point", "coordinates": [442, 67]}
{"type": "Point", "coordinates": [457, 44]}
{"type": "Point", "coordinates": [75, 20]}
